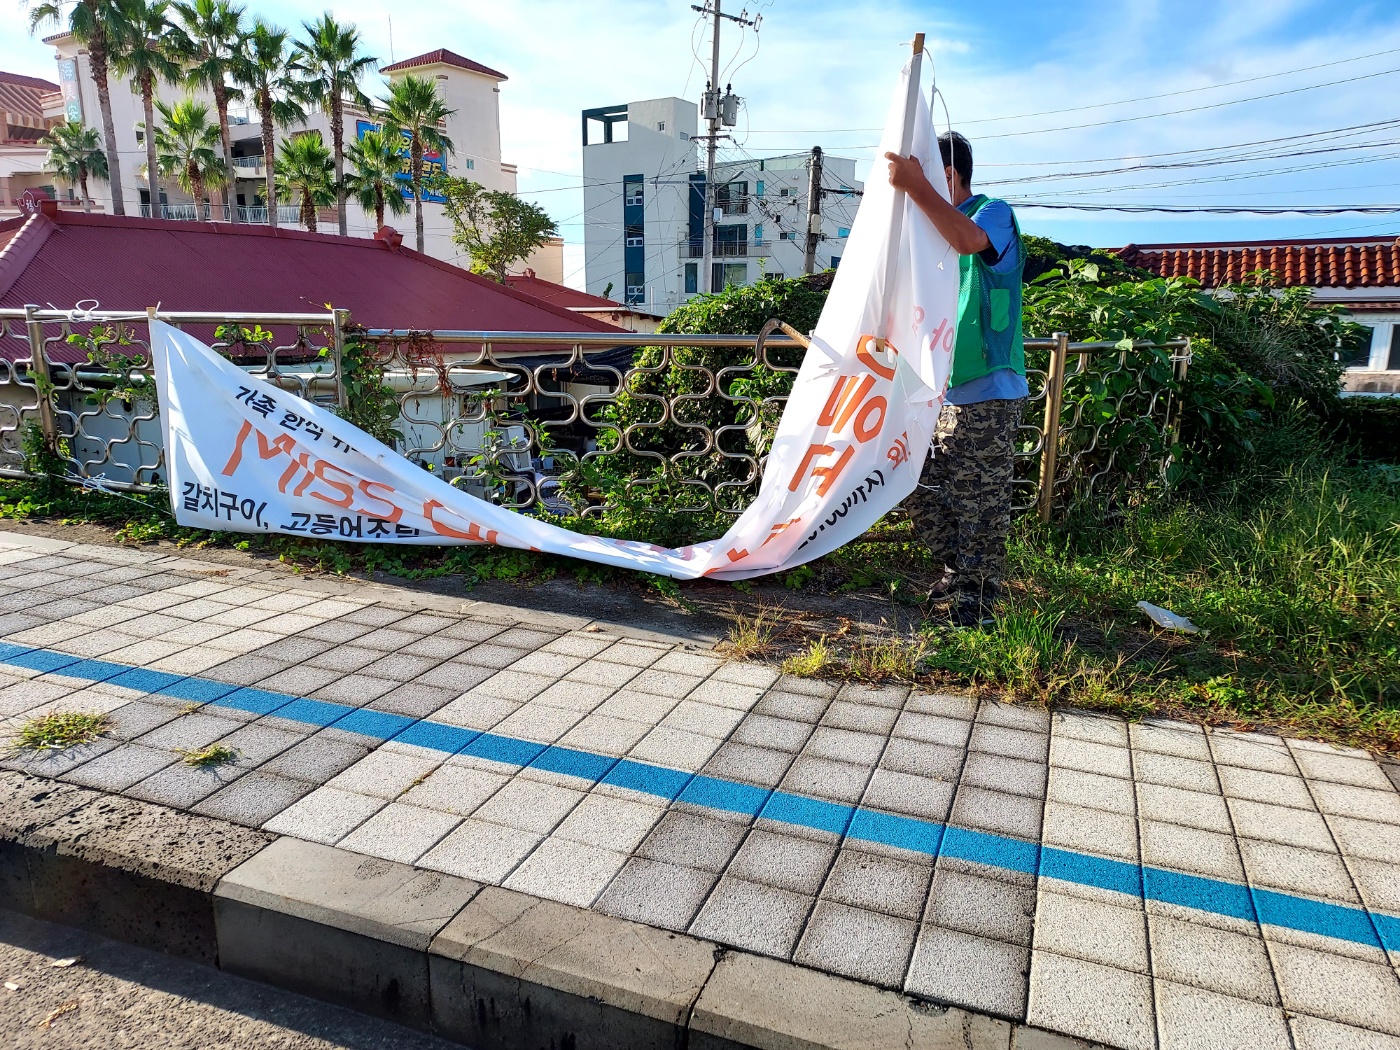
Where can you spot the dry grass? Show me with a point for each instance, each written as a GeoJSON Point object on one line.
{"type": "Point", "coordinates": [61, 730]}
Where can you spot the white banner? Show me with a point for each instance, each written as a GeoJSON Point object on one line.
{"type": "Point", "coordinates": [245, 456]}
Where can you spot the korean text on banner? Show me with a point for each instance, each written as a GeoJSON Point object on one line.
{"type": "Point", "coordinates": [245, 456]}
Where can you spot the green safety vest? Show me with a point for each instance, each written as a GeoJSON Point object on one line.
{"type": "Point", "coordinates": [989, 313]}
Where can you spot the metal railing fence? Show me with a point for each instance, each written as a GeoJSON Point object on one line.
{"type": "Point", "coordinates": [540, 417]}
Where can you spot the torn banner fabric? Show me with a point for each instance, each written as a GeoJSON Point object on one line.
{"type": "Point", "coordinates": [246, 456]}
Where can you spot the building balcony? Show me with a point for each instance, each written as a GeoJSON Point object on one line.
{"type": "Point", "coordinates": [691, 248]}
{"type": "Point", "coordinates": [287, 214]}
{"type": "Point", "coordinates": [249, 167]}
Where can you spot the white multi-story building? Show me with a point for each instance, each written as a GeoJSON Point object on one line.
{"type": "Point", "coordinates": [644, 201]}
{"type": "Point", "coordinates": [470, 89]}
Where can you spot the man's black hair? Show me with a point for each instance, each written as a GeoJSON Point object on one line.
{"type": "Point", "coordinates": [957, 154]}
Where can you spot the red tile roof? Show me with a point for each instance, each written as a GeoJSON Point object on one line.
{"type": "Point", "coordinates": [20, 80]}
{"type": "Point", "coordinates": [132, 263]}
{"type": "Point", "coordinates": [23, 96]}
{"type": "Point", "coordinates": [1370, 263]}
{"type": "Point", "coordinates": [446, 57]}
{"type": "Point", "coordinates": [559, 294]}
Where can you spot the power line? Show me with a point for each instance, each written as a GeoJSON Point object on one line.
{"type": "Point", "coordinates": [1181, 209]}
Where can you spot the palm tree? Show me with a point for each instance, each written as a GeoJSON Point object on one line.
{"type": "Point", "coordinates": [304, 169]}
{"type": "Point", "coordinates": [74, 155]}
{"type": "Point", "coordinates": [414, 108]}
{"type": "Point", "coordinates": [375, 165]}
{"type": "Point", "coordinates": [90, 22]}
{"type": "Point", "coordinates": [210, 36]}
{"type": "Point", "coordinates": [141, 49]}
{"type": "Point", "coordinates": [270, 81]}
{"type": "Point", "coordinates": [330, 61]}
{"type": "Point", "coordinates": [187, 146]}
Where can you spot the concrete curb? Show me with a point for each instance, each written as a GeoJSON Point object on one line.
{"type": "Point", "coordinates": [487, 967]}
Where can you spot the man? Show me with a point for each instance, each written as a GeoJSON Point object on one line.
{"type": "Point", "coordinates": [962, 508]}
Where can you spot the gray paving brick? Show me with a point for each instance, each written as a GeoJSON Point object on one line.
{"type": "Point", "coordinates": [1195, 809]}
{"type": "Point", "coordinates": [1315, 1033]}
{"type": "Point", "coordinates": [1275, 788]}
{"type": "Point", "coordinates": [1013, 743]}
{"type": "Point", "coordinates": [1091, 757]}
{"type": "Point", "coordinates": [1028, 717]}
{"type": "Point", "coordinates": [253, 799]}
{"type": "Point", "coordinates": [387, 639]}
{"type": "Point", "coordinates": [296, 649]}
{"type": "Point", "coordinates": [792, 705]}
{"type": "Point", "coordinates": [934, 729]}
{"type": "Point", "coordinates": [615, 824]}
{"type": "Point", "coordinates": [986, 810]}
{"type": "Point", "coordinates": [1340, 989]}
{"type": "Point", "coordinates": [693, 840]}
{"type": "Point", "coordinates": [530, 805]}
{"type": "Point", "coordinates": [1341, 768]}
{"type": "Point", "coordinates": [1170, 738]}
{"type": "Point", "coordinates": [51, 763]}
{"type": "Point", "coordinates": [980, 905]}
{"type": "Point", "coordinates": [473, 630]}
{"type": "Point", "coordinates": [768, 731]}
{"type": "Point", "coordinates": [190, 732]}
{"type": "Point", "coordinates": [1093, 791]}
{"type": "Point", "coordinates": [345, 658]}
{"type": "Point", "coordinates": [1092, 1002]}
{"type": "Point", "coordinates": [1293, 827]}
{"type": "Point", "coordinates": [867, 945]}
{"type": "Point", "coordinates": [1292, 869]}
{"type": "Point", "coordinates": [400, 832]}
{"type": "Point", "coordinates": [374, 616]}
{"type": "Point", "coordinates": [791, 683]}
{"type": "Point", "coordinates": [749, 765]}
{"type": "Point", "coordinates": [1091, 830]}
{"type": "Point", "coordinates": [302, 680]}
{"type": "Point", "coordinates": [316, 759]}
{"type": "Point", "coordinates": [257, 742]}
{"type": "Point", "coordinates": [337, 631]}
{"type": "Point", "coordinates": [614, 676]}
{"type": "Point", "coordinates": [180, 786]}
{"type": "Point", "coordinates": [120, 768]}
{"type": "Point", "coordinates": [1347, 800]}
{"type": "Point", "coordinates": [864, 718]}
{"type": "Point", "coordinates": [529, 639]}
{"type": "Point", "coordinates": [753, 916]}
{"type": "Point", "coordinates": [1217, 960]}
{"type": "Point", "coordinates": [563, 870]}
{"type": "Point", "coordinates": [845, 745]}
{"type": "Point", "coordinates": [325, 815]}
{"type": "Point", "coordinates": [878, 695]}
{"type": "Point", "coordinates": [909, 794]}
{"type": "Point", "coordinates": [787, 862]}
{"type": "Point", "coordinates": [1092, 930]}
{"type": "Point", "coordinates": [400, 666]}
{"type": "Point", "coordinates": [1190, 849]}
{"type": "Point", "coordinates": [574, 696]}
{"type": "Point", "coordinates": [424, 623]}
{"type": "Point", "coordinates": [734, 695]}
{"type": "Point", "coordinates": [478, 849]}
{"type": "Point", "coordinates": [1366, 838]}
{"type": "Point", "coordinates": [386, 773]}
{"type": "Point", "coordinates": [437, 647]}
{"type": "Point", "coordinates": [355, 689]}
{"type": "Point", "coordinates": [455, 789]}
{"type": "Point", "coordinates": [514, 685]}
{"type": "Point", "coordinates": [138, 718]}
{"type": "Point", "coordinates": [1187, 774]}
{"type": "Point", "coordinates": [824, 778]}
{"type": "Point", "coordinates": [1252, 751]}
{"type": "Point", "coordinates": [457, 677]}
{"type": "Point", "coordinates": [247, 670]}
{"type": "Point", "coordinates": [1188, 1016]}
{"type": "Point", "coordinates": [656, 893]}
{"type": "Point", "coordinates": [953, 966]}
{"type": "Point", "coordinates": [927, 760]}
{"type": "Point", "coordinates": [878, 883]}
{"type": "Point", "coordinates": [1016, 776]}
{"type": "Point", "coordinates": [414, 700]}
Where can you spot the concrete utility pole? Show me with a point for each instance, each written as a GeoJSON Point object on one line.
{"type": "Point", "coordinates": [814, 210]}
{"type": "Point", "coordinates": [714, 109]}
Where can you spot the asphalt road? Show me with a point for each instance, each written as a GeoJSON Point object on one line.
{"type": "Point", "coordinates": [119, 996]}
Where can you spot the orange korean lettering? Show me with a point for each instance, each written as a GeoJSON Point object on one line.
{"type": "Point", "coordinates": [395, 511]}
{"type": "Point", "coordinates": [827, 474]}
{"type": "Point", "coordinates": [347, 492]}
{"type": "Point", "coordinates": [866, 349]}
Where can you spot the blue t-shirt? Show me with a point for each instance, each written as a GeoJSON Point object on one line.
{"type": "Point", "coordinates": [1003, 384]}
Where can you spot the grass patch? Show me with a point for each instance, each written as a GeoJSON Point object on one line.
{"type": "Point", "coordinates": [812, 662]}
{"type": "Point", "coordinates": [61, 730]}
{"type": "Point", "coordinates": [206, 757]}
{"type": "Point", "coordinates": [751, 637]}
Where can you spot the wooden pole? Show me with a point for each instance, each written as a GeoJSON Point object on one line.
{"type": "Point", "coordinates": [1050, 434]}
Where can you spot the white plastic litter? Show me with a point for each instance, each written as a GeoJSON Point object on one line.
{"type": "Point", "coordinates": [1168, 620]}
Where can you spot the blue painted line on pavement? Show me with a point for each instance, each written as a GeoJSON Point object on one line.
{"type": "Point", "coordinates": [931, 838]}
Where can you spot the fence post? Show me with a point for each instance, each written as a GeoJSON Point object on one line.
{"type": "Point", "coordinates": [1050, 434]}
{"type": "Point", "coordinates": [338, 319]}
{"type": "Point", "coordinates": [1174, 404]}
{"type": "Point", "coordinates": [43, 381]}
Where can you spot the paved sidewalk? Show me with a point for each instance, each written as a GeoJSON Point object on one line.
{"type": "Point", "coordinates": [1147, 885]}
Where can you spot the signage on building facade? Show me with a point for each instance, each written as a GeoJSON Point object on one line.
{"type": "Point", "coordinates": [68, 88]}
{"type": "Point", "coordinates": [433, 164]}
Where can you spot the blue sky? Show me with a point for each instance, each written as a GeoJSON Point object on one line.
{"type": "Point", "coordinates": [822, 67]}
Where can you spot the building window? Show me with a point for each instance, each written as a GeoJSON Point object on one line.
{"type": "Point", "coordinates": [660, 125]}
{"type": "Point", "coordinates": [835, 261]}
{"type": "Point", "coordinates": [471, 164]}
{"type": "Point", "coordinates": [785, 235]}
{"type": "Point", "coordinates": [685, 137]}
{"type": "Point", "coordinates": [785, 191]}
{"type": "Point", "coordinates": [733, 198]}
{"type": "Point", "coordinates": [843, 231]}
{"type": "Point", "coordinates": [636, 287]}
{"type": "Point", "coordinates": [633, 192]}
{"type": "Point", "coordinates": [758, 235]}
{"type": "Point", "coordinates": [635, 235]}
{"type": "Point", "coordinates": [692, 278]}
{"type": "Point", "coordinates": [729, 275]}
{"type": "Point", "coordinates": [758, 188]}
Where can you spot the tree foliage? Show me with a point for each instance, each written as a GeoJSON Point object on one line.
{"type": "Point", "coordinates": [495, 229]}
{"type": "Point", "coordinates": [75, 155]}
{"type": "Point", "coordinates": [413, 109]}
{"type": "Point", "coordinates": [187, 149]}
{"type": "Point", "coordinates": [305, 174]}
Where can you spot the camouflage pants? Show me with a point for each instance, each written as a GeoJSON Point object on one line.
{"type": "Point", "coordinates": [962, 507]}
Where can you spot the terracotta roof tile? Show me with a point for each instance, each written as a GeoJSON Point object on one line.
{"type": "Point", "coordinates": [1370, 263]}
{"type": "Point", "coordinates": [450, 58]}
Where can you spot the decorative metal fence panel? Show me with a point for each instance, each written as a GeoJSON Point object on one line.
{"type": "Point", "coordinates": [537, 418]}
